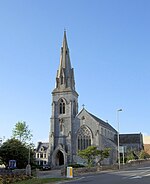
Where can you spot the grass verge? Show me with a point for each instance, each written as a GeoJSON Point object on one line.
{"type": "Point", "coordinates": [41, 180]}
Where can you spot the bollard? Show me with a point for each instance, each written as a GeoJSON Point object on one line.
{"type": "Point", "coordinates": [69, 172]}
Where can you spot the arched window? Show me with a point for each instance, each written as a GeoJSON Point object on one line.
{"type": "Point", "coordinates": [62, 107]}
{"type": "Point", "coordinates": [84, 138]}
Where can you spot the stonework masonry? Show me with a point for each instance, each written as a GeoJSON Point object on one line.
{"type": "Point", "coordinates": [70, 130]}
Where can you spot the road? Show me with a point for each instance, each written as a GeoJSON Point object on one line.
{"type": "Point", "coordinates": [133, 176]}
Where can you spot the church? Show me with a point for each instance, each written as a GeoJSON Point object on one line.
{"type": "Point", "coordinates": [70, 130]}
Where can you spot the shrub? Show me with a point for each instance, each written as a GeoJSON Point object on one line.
{"type": "Point", "coordinates": [76, 165]}
{"type": "Point", "coordinates": [144, 155]}
{"type": "Point", "coordinates": [12, 178]}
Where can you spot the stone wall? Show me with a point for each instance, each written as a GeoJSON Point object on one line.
{"type": "Point", "coordinates": [87, 170]}
{"type": "Point", "coordinates": [97, 169]}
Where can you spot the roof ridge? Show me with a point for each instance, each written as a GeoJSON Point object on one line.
{"type": "Point", "coordinates": [102, 121]}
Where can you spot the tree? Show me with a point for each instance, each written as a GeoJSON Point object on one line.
{"type": "Point", "coordinates": [13, 149]}
{"type": "Point", "coordinates": [103, 154]}
{"type": "Point", "coordinates": [91, 152]}
{"type": "Point", "coordinates": [1, 161]}
{"type": "Point", "coordinates": [131, 155]}
{"type": "Point", "coordinates": [22, 132]}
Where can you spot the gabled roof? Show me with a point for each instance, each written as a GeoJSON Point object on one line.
{"type": "Point", "coordinates": [101, 122]}
{"type": "Point", "coordinates": [44, 145]}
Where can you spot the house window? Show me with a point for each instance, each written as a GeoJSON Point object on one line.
{"type": "Point", "coordinates": [42, 149]}
{"type": "Point", "coordinates": [45, 155]}
{"type": "Point", "coordinates": [41, 155]}
{"type": "Point", "coordinates": [62, 107]}
{"type": "Point", "coordinates": [84, 138]}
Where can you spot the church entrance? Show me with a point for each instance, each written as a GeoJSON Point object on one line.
{"type": "Point", "coordinates": [59, 158]}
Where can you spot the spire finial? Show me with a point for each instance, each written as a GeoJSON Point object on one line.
{"type": "Point", "coordinates": [65, 38]}
{"type": "Point", "coordinates": [64, 32]}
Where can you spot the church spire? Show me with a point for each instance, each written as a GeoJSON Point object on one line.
{"type": "Point", "coordinates": [64, 58]}
{"type": "Point", "coordinates": [65, 74]}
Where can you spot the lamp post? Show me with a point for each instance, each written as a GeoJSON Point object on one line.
{"type": "Point", "coordinates": [28, 167]}
{"type": "Point", "coordinates": [29, 155]}
{"type": "Point", "coordinates": [119, 110]}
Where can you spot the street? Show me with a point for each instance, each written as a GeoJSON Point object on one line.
{"type": "Point", "coordinates": [133, 176]}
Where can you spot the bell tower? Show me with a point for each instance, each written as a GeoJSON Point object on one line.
{"type": "Point", "coordinates": [64, 110]}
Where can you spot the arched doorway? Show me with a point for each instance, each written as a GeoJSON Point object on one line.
{"type": "Point", "coordinates": [59, 158]}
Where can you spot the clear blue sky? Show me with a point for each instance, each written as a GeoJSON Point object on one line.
{"type": "Point", "coordinates": [109, 42]}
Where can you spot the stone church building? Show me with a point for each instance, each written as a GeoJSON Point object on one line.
{"type": "Point", "coordinates": [71, 130]}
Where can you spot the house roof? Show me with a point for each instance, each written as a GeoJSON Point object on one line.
{"type": "Point", "coordinates": [130, 138]}
{"type": "Point", "coordinates": [44, 145]}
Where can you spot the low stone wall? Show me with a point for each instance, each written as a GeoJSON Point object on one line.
{"type": "Point", "coordinates": [80, 171]}
{"type": "Point", "coordinates": [4, 171]}
{"type": "Point", "coordinates": [138, 162]}
{"type": "Point", "coordinates": [97, 169]}
{"type": "Point", "coordinates": [85, 170]}
{"type": "Point", "coordinates": [13, 172]}
{"type": "Point", "coordinates": [19, 171]}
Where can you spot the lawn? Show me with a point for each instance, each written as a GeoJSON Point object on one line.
{"type": "Point", "coordinates": [41, 180]}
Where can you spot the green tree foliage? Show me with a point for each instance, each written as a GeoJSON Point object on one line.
{"type": "Point", "coordinates": [89, 154]}
{"type": "Point", "coordinates": [1, 161]}
{"type": "Point", "coordinates": [22, 132]}
{"type": "Point", "coordinates": [131, 155]}
{"type": "Point", "coordinates": [13, 149]}
{"type": "Point", "coordinates": [143, 155]}
{"type": "Point", "coordinates": [92, 152]}
{"type": "Point", "coordinates": [103, 154]}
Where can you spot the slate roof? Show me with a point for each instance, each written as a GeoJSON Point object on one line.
{"type": "Point", "coordinates": [105, 124]}
{"type": "Point", "coordinates": [130, 138]}
{"type": "Point", "coordinates": [44, 145]}
{"type": "Point", "coordinates": [101, 122]}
